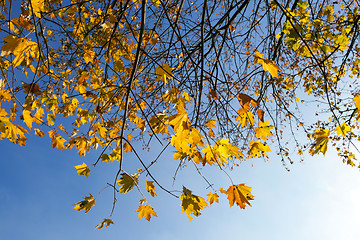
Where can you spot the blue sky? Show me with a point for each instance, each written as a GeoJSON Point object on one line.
{"type": "Point", "coordinates": [318, 199]}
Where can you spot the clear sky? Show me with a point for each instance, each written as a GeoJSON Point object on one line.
{"type": "Point", "coordinates": [318, 199]}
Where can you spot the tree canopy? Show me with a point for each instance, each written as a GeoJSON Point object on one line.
{"type": "Point", "coordinates": [214, 82]}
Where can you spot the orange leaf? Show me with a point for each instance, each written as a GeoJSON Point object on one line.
{"type": "Point", "coordinates": [239, 194]}
{"type": "Point", "coordinates": [151, 188]}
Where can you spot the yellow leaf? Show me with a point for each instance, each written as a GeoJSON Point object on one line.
{"type": "Point", "coordinates": [357, 101]}
{"type": "Point", "coordinates": [87, 204]}
{"type": "Point", "coordinates": [263, 131]}
{"type": "Point", "coordinates": [151, 188]}
{"type": "Point", "coordinates": [239, 194]}
{"type": "Point", "coordinates": [267, 65]}
{"type": "Point", "coordinates": [19, 47]}
{"type": "Point", "coordinates": [163, 72]}
{"type": "Point", "coordinates": [127, 182]}
{"type": "Point", "coordinates": [58, 142]}
{"type": "Point", "coordinates": [28, 119]}
{"type": "Point", "coordinates": [89, 56]}
{"type": "Point", "coordinates": [245, 118]}
{"type": "Point", "coordinates": [321, 137]}
{"type": "Point", "coordinates": [39, 132]}
{"type": "Point", "coordinates": [213, 197]}
{"type": "Point", "coordinates": [82, 170]}
{"type": "Point", "coordinates": [342, 129]}
{"type": "Point", "coordinates": [106, 221]}
{"type": "Point", "coordinates": [146, 211]}
{"type": "Point", "coordinates": [258, 148]}
{"type": "Point", "coordinates": [191, 204]}
{"type": "Point", "coordinates": [37, 6]}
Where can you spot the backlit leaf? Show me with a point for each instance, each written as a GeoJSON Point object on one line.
{"type": "Point", "coordinates": [105, 222]}
{"type": "Point", "coordinates": [146, 211]}
{"type": "Point", "coordinates": [87, 204]}
{"type": "Point", "coordinates": [191, 204]}
{"type": "Point", "coordinates": [82, 170]}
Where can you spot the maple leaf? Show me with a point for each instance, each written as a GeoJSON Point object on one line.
{"type": "Point", "coordinates": [19, 47]}
{"type": "Point", "coordinates": [191, 204]}
{"type": "Point", "coordinates": [106, 221]}
{"type": "Point", "coordinates": [239, 194]}
{"type": "Point", "coordinates": [263, 131]}
{"type": "Point", "coordinates": [342, 129]}
{"type": "Point", "coordinates": [86, 204]}
{"type": "Point", "coordinates": [179, 121]}
{"type": "Point", "coordinates": [28, 119]}
{"type": "Point", "coordinates": [245, 118]}
{"type": "Point", "coordinates": [127, 182]}
{"type": "Point", "coordinates": [258, 148]}
{"type": "Point", "coordinates": [267, 65]}
{"type": "Point", "coordinates": [321, 137]}
{"type": "Point", "coordinates": [82, 170]}
{"type": "Point", "coordinates": [151, 188]}
{"type": "Point", "coordinates": [58, 142]}
{"type": "Point", "coordinates": [213, 197]}
{"type": "Point", "coordinates": [159, 123]}
{"type": "Point", "coordinates": [146, 211]}
{"type": "Point", "coordinates": [37, 6]}
{"type": "Point", "coordinates": [163, 72]}
{"type": "Point", "coordinates": [246, 100]}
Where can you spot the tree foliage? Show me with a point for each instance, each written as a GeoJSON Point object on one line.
{"type": "Point", "coordinates": [216, 82]}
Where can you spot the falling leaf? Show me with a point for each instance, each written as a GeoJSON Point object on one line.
{"type": "Point", "coordinates": [239, 194]}
{"type": "Point", "coordinates": [82, 170]}
{"type": "Point", "coordinates": [151, 188]}
{"type": "Point", "coordinates": [127, 182]}
{"type": "Point", "coordinates": [87, 204]}
{"type": "Point", "coordinates": [146, 211]}
{"type": "Point", "coordinates": [106, 221]}
{"type": "Point", "coordinates": [267, 65]}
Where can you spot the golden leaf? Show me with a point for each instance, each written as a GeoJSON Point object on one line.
{"type": "Point", "coordinates": [127, 182]}
{"type": "Point", "coordinates": [58, 142]}
{"type": "Point", "coordinates": [82, 170]}
{"type": "Point", "coordinates": [239, 194]}
{"type": "Point", "coordinates": [342, 129]}
{"type": "Point", "coordinates": [321, 137]}
{"type": "Point", "coordinates": [191, 204]}
{"type": "Point", "coordinates": [146, 211]}
{"type": "Point", "coordinates": [87, 204]}
{"type": "Point", "coordinates": [163, 72]}
{"type": "Point", "coordinates": [267, 65]}
{"type": "Point", "coordinates": [106, 221]}
{"type": "Point", "coordinates": [213, 197]}
{"type": "Point", "coordinates": [151, 188]}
